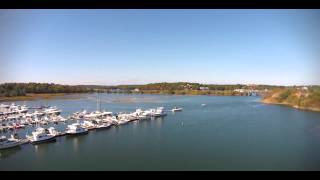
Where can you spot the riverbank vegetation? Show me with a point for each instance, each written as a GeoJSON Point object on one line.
{"type": "Point", "coordinates": [307, 98]}
{"type": "Point", "coordinates": [22, 89]}
{"type": "Point", "coordinates": [294, 96]}
{"type": "Point", "coordinates": [33, 96]}
{"type": "Point", "coordinates": [185, 88]}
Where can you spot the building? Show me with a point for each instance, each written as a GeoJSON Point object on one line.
{"type": "Point", "coordinates": [204, 88]}
{"type": "Point", "coordinates": [239, 90]}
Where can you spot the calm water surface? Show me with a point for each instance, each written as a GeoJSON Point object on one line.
{"type": "Point", "coordinates": [230, 133]}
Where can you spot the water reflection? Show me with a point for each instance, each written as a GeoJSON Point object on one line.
{"type": "Point", "coordinates": [42, 147]}
{"type": "Point", "coordinates": [135, 124]}
{"type": "Point", "coordinates": [159, 122]}
{"type": "Point", "coordinates": [76, 140]}
{"type": "Point", "coordinates": [5, 153]}
{"type": "Point", "coordinates": [75, 143]}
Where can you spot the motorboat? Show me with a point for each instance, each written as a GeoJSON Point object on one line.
{"type": "Point", "coordinates": [75, 129]}
{"type": "Point", "coordinates": [142, 114]}
{"type": "Point", "coordinates": [106, 114]}
{"type": "Point", "coordinates": [176, 109]}
{"type": "Point", "coordinates": [38, 113]}
{"type": "Point", "coordinates": [4, 106]}
{"type": "Point", "coordinates": [124, 118]}
{"type": "Point", "coordinates": [60, 118]}
{"type": "Point", "coordinates": [40, 135]}
{"type": "Point", "coordinates": [159, 112]}
{"type": "Point", "coordinates": [22, 110]}
{"type": "Point", "coordinates": [52, 110]}
{"type": "Point", "coordinates": [88, 124]}
{"type": "Point", "coordinates": [112, 120]}
{"type": "Point", "coordinates": [6, 143]}
{"type": "Point", "coordinates": [100, 124]}
{"type": "Point", "coordinates": [53, 131]}
{"type": "Point", "coordinates": [94, 114]}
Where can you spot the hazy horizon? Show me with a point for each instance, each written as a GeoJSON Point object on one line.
{"type": "Point", "coordinates": [172, 82]}
{"type": "Point", "coordinates": [113, 47]}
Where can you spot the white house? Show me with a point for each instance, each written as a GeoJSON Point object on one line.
{"type": "Point", "coordinates": [204, 88]}
{"type": "Point", "coordinates": [239, 90]}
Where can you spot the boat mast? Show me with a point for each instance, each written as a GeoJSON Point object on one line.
{"type": "Point", "coordinates": [99, 103]}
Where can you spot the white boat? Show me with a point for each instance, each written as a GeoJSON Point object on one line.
{"type": "Point", "coordinates": [176, 109]}
{"type": "Point", "coordinates": [76, 128]}
{"type": "Point", "coordinates": [40, 135]}
{"type": "Point", "coordinates": [88, 125]}
{"type": "Point", "coordinates": [122, 121]}
{"type": "Point", "coordinates": [6, 143]}
{"type": "Point", "coordinates": [28, 115]}
{"type": "Point", "coordinates": [142, 114]}
{"type": "Point", "coordinates": [106, 114]}
{"type": "Point", "coordinates": [52, 110]}
{"type": "Point", "coordinates": [133, 117]}
{"type": "Point", "coordinates": [203, 104]}
{"type": "Point", "coordinates": [159, 112]}
{"type": "Point", "coordinates": [100, 124]}
{"type": "Point", "coordinates": [38, 113]}
{"type": "Point", "coordinates": [94, 114]}
{"type": "Point", "coordinates": [60, 118]}
{"type": "Point", "coordinates": [53, 131]}
{"type": "Point", "coordinates": [4, 106]}
{"type": "Point", "coordinates": [22, 110]}
{"type": "Point", "coordinates": [112, 120]}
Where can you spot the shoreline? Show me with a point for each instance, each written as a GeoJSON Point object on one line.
{"type": "Point", "coordinates": [37, 96]}
{"type": "Point", "coordinates": [265, 101]}
{"type": "Point", "coordinates": [33, 96]}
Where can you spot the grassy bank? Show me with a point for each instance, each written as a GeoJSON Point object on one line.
{"type": "Point", "coordinates": [33, 96]}
{"type": "Point", "coordinates": [304, 99]}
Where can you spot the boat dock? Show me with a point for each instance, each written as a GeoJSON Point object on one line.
{"type": "Point", "coordinates": [19, 117]}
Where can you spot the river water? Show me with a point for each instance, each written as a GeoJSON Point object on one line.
{"type": "Point", "coordinates": [229, 133]}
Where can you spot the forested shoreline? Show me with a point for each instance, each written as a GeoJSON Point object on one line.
{"type": "Point", "coordinates": [302, 97]}
{"type": "Point", "coordinates": [22, 89]}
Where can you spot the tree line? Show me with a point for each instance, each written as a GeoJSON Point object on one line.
{"type": "Point", "coordinates": [191, 86]}
{"type": "Point", "coordinates": [21, 89]}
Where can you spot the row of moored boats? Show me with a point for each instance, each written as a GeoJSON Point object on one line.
{"type": "Point", "coordinates": [89, 121]}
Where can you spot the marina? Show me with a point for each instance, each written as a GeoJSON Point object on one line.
{"type": "Point", "coordinates": [14, 117]}
{"type": "Point", "coordinates": [159, 90]}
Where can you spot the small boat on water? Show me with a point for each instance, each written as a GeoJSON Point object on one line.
{"type": "Point", "coordinates": [40, 135]}
{"type": "Point", "coordinates": [203, 104]}
{"type": "Point", "coordinates": [176, 109]}
{"type": "Point", "coordinates": [75, 129]}
{"type": "Point", "coordinates": [6, 143]}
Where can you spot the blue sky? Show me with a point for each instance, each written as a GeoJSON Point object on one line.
{"type": "Point", "coordinates": [142, 46]}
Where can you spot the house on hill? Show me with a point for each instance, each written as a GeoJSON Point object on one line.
{"type": "Point", "coordinates": [204, 88]}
